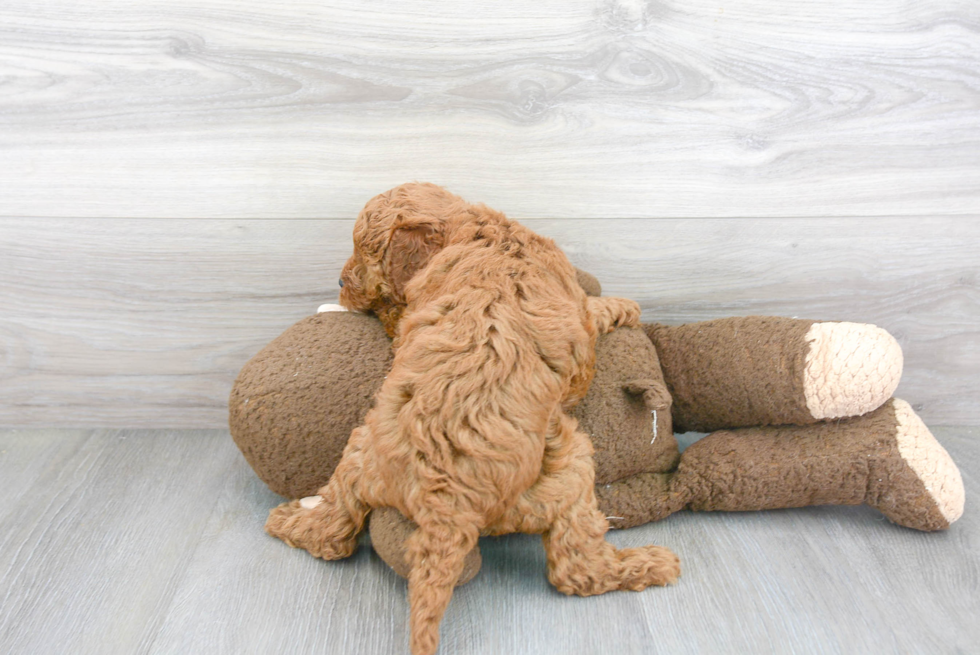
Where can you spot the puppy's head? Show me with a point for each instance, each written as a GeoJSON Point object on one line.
{"type": "Point", "coordinates": [395, 236]}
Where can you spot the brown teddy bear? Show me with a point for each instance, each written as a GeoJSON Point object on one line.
{"type": "Point", "coordinates": [800, 413]}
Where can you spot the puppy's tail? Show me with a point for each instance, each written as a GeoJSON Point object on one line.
{"type": "Point", "coordinates": [436, 551]}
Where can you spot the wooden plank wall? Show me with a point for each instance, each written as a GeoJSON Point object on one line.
{"type": "Point", "coordinates": [178, 179]}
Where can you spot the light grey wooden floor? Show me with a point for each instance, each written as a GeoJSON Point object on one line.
{"type": "Point", "coordinates": [151, 541]}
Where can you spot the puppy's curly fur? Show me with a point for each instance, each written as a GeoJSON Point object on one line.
{"type": "Point", "coordinates": [494, 342]}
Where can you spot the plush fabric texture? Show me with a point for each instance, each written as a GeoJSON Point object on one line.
{"type": "Point", "coordinates": [295, 403]}
{"type": "Point", "coordinates": [639, 499]}
{"type": "Point", "coordinates": [734, 372]}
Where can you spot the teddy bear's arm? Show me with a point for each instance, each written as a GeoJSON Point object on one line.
{"type": "Point", "coordinates": [755, 370]}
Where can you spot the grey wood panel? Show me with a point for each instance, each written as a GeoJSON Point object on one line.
{"type": "Point", "coordinates": [96, 531]}
{"type": "Point", "coordinates": [145, 323]}
{"type": "Point", "coordinates": [151, 542]}
{"type": "Point", "coordinates": [616, 108]}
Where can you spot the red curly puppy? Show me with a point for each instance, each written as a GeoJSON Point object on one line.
{"type": "Point", "coordinates": [494, 342]}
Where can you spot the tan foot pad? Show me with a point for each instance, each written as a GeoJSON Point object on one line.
{"type": "Point", "coordinates": [930, 462]}
{"type": "Point", "coordinates": [851, 369]}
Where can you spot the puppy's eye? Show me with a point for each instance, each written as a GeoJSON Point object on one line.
{"type": "Point", "coordinates": [341, 282]}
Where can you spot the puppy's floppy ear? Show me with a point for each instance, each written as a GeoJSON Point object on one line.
{"type": "Point", "coordinates": [409, 250]}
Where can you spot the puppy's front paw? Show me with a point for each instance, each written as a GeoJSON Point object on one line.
{"type": "Point", "coordinates": [629, 315]}
{"type": "Point", "coordinates": [611, 313]}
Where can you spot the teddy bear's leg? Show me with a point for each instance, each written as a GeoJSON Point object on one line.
{"type": "Point", "coordinates": [437, 551]}
{"type": "Point", "coordinates": [754, 370]}
{"type": "Point", "coordinates": [887, 459]}
{"type": "Point", "coordinates": [639, 499]}
{"type": "Point", "coordinates": [610, 313]}
{"type": "Point", "coordinates": [328, 523]}
{"type": "Point", "coordinates": [562, 506]}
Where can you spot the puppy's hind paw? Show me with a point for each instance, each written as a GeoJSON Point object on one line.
{"type": "Point", "coordinates": [648, 565]}
{"type": "Point", "coordinates": [305, 524]}
{"type": "Point", "coordinates": [284, 520]}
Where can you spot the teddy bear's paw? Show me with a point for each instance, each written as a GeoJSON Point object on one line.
{"type": "Point", "coordinates": [304, 524]}
{"type": "Point", "coordinates": [851, 369]}
{"type": "Point", "coordinates": [648, 565]}
{"type": "Point", "coordinates": [933, 496]}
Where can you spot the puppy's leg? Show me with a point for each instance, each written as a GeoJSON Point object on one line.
{"type": "Point", "coordinates": [437, 551]}
{"type": "Point", "coordinates": [327, 524]}
{"type": "Point", "coordinates": [582, 562]}
{"type": "Point", "coordinates": [610, 313]}
{"type": "Point", "coordinates": [562, 505]}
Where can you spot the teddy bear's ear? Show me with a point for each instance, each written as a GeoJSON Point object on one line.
{"type": "Point", "coordinates": [655, 395]}
{"type": "Point", "coordinates": [410, 248]}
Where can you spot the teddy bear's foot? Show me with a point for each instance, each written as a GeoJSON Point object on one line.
{"type": "Point", "coordinates": [919, 486]}
{"type": "Point", "coordinates": [306, 524]}
{"type": "Point", "coordinates": [850, 370]}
